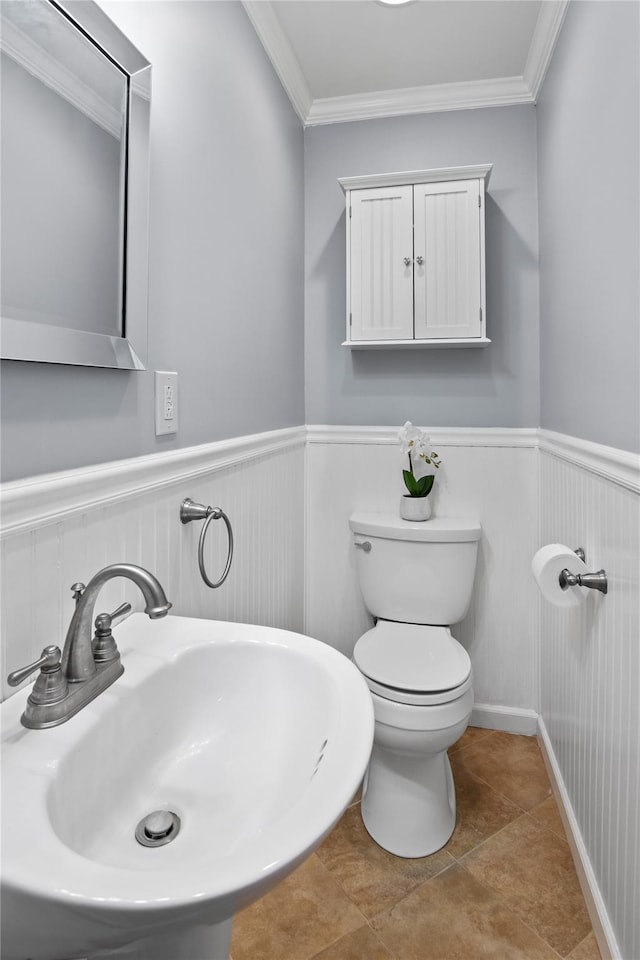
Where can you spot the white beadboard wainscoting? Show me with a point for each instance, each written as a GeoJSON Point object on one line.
{"type": "Point", "coordinates": [571, 675]}
{"type": "Point", "coordinates": [590, 676]}
{"type": "Point", "coordinates": [64, 527]}
{"type": "Point", "coordinates": [488, 474]}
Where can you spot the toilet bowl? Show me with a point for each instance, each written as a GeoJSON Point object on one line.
{"type": "Point", "coordinates": [408, 803]}
{"type": "Point", "coordinates": [419, 676]}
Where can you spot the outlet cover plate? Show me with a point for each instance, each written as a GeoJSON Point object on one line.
{"type": "Point", "coordinates": [166, 402]}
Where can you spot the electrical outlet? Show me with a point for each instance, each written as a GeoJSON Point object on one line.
{"type": "Point", "coordinates": [166, 402]}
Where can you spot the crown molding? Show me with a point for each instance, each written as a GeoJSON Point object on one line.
{"type": "Point", "coordinates": [550, 20]}
{"type": "Point", "coordinates": [409, 177]}
{"type": "Point", "coordinates": [434, 98]}
{"type": "Point", "coordinates": [40, 64]}
{"type": "Point", "coordinates": [283, 59]}
{"type": "Point", "coordinates": [468, 95]}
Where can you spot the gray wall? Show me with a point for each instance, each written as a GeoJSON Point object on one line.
{"type": "Point", "coordinates": [589, 180]}
{"type": "Point", "coordinates": [495, 386]}
{"type": "Point", "coordinates": [226, 267]}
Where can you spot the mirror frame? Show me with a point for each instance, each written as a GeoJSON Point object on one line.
{"type": "Point", "coordinates": [44, 343]}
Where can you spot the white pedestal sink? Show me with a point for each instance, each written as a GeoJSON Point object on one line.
{"type": "Point", "coordinates": [256, 738]}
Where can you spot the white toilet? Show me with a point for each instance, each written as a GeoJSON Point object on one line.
{"type": "Point", "coordinates": [416, 579]}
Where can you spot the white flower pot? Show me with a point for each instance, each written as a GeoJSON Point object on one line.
{"type": "Point", "coordinates": [415, 508]}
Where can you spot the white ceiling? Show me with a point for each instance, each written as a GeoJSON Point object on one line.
{"type": "Point", "coordinates": [356, 59]}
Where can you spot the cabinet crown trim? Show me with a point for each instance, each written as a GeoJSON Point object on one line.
{"type": "Point", "coordinates": [409, 177]}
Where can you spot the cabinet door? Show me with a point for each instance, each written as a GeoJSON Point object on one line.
{"type": "Point", "coordinates": [381, 283]}
{"type": "Point", "coordinates": [449, 255]}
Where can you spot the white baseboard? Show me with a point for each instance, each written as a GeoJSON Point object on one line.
{"type": "Point", "coordinates": [507, 719]}
{"type": "Point", "coordinates": [602, 927]}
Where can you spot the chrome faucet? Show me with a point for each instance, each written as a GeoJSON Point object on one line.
{"type": "Point", "coordinates": [87, 666]}
{"type": "Point", "coordinates": [78, 663]}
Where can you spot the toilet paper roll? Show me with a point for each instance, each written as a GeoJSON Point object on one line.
{"type": "Point", "coordinates": [548, 564]}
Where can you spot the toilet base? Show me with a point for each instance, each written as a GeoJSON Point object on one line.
{"type": "Point", "coordinates": [406, 817]}
{"type": "Point", "coordinates": [408, 801]}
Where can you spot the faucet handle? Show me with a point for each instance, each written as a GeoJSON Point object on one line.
{"type": "Point", "coordinates": [51, 685]}
{"type": "Point", "coordinates": [121, 611]}
{"type": "Point", "coordinates": [104, 646]}
{"type": "Point", "coordinates": [49, 661]}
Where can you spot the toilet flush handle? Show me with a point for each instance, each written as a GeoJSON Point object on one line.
{"type": "Point", "coordinates": [364, 545]}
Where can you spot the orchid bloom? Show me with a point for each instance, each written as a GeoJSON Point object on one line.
{"type": "Point", "coordinates": [410, 437]}
{"type": "Point", "coordinates": [416, 444]}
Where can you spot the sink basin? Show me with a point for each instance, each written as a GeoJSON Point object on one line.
{"type": "Point", "coordinates": [256, 738]}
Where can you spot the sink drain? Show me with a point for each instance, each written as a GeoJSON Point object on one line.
{"type": "Point", "coordinates": [158, 828]}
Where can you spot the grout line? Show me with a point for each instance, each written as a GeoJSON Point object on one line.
{"type": "Point", "coordinates": [525, 813]}
{"type": "Point", "coordinates": [563, 835]}
{"type": "Point", "coordinates": [344, 935]}
{"type": "Point", "coordinates": [364, 918]}
{"type": "Point", "coordinates": [468, 853]}
{"type": "Point", "coordinates": [455, 748]}
{"type": "Point", "coordinates": [590, 934]}
{"type": "Point", "coordinates": [409, 893]}
{"type": "Point", "coordinates": [333, 942]}
{"type": "Point", "coordinates": [497, 792]}
{"type": "Point", "coordinates": [508, 907]}
{"type": "Point", "coordinates": [391, 906]}
{"type": "Point", "coordinates": [345, 892]}
{"type": "Point", "coordinates": [563, 839]}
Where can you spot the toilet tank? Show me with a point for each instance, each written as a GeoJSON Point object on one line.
{"type": "Point", "coordinates": [415, 572]}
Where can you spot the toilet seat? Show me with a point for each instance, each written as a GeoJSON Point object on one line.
{"type": "Point", "coordinates": [413, 663]}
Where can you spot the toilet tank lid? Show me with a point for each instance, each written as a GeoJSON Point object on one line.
{"type": "Point", "coordinates": [390, 526]}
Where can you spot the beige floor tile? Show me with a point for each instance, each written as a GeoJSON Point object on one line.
{"type": "Point", "coordinates": [514, 894]}
{"type": "Point", "coordinates": [510, 764]}
{"type": "Point", "coordinates": [373, 878]}
{"type": "Point", "coordinates": [547, 813]}
{"type": "Point", "coordinates": [454, 917]}
{"type": "Point", "coordinates": [587, 950]}
{"type": "Point", "coordinates": [305, 913]}
{"type": "Point", "coordinates": [471, 735]}
{"type": "Point", "coordinates": [362, 944]}
{"type": "Point", "coordinates": [480, 812]}
{"type": "Point", "coordinates": [531, 868]}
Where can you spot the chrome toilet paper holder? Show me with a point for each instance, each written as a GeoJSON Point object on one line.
{"type": "Point", "coordinates": [592, 581]}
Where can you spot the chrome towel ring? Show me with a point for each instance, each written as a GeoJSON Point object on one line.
{"type": "Point", "coordinates": [189, 510]}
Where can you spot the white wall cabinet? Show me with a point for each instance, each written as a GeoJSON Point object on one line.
{"type": "Point", "coordinates": [415, 258]}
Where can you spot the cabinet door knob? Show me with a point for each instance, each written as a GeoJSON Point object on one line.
{"type": "Point", "coordinates": [419, 261]}
{"type": "Point", "coordinates": [407, 261]}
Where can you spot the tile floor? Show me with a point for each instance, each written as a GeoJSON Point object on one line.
{"type": "Point", "coordinates": [503, 888]}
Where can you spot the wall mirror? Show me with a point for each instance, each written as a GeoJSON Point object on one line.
{"type": "Point", "coordinates": [76, 99]}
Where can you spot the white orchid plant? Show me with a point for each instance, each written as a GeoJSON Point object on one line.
{"type": "Point", "coordinates": [417, 446]}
